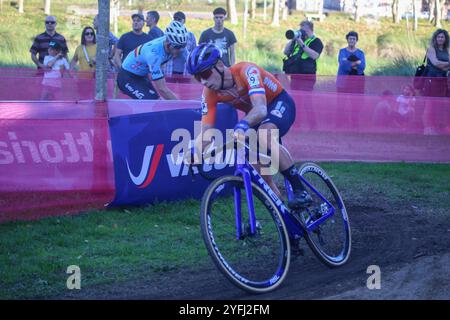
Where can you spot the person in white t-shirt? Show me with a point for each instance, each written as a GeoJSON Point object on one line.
{"type": "Point", "coordinates": [56, 64]}
{"type": "Point", "coordinates": [405, 109]}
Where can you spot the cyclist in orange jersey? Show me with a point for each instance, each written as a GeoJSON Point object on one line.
{"type": "Point", "coordinates": [260, 95]}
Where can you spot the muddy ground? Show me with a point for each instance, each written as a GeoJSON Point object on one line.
{"type": "Point", "coordinates": [410, 245]}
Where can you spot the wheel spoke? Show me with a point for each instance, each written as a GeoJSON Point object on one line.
{"type": "Point", "coordinates": [330, 240]}
{"type": "Point", "coordinates": [255, 260]}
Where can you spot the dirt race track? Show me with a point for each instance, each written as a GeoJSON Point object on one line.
{"type": "Point", "coordinates": [411, 249]}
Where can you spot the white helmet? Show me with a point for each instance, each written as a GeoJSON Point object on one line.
{"type": "Point", "coordinates": [176, 33]}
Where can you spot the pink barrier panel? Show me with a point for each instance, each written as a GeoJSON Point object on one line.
{"type": "Point", "coordinates": [20, 88]}
{"type": "Point", "coordinates": [332, 126]}
{"type": "Point", "coordinates": [27, 84]}
{"type": "Point", "coordinates": [32, 88]}
{"type": "Point", "coordinates": [54, 158]}
{"type": "Point", "coordinates": [373, 85]}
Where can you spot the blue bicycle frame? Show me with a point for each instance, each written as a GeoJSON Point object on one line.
{"type": "Point", "coordinates": [295, 228]}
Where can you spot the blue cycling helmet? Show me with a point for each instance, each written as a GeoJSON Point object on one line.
{"type": "Point", "coordinates": [203, 57]}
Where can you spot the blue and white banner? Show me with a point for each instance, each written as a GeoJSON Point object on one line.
{"type": "Point", "coordinates": [144, 168]}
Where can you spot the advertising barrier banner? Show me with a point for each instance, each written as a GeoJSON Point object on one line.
{"type": "Point", "coordinates": [145, 166]}
{"type": "Point", "coordinates": [54, 158]}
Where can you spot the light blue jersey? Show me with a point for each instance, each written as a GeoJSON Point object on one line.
{"type": "Point", "coordinates": [147, 58]}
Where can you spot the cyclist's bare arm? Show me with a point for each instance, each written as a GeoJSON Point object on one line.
{"type": "Point", "coordinates": [165, 92]}
{"type": "Point", "coordinates": [258, 111]}
{"type": "Point", "coordinates": [117, 60]}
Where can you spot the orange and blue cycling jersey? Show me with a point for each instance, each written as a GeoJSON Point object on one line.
{"type": "Point", "coordinates": [249, 79]}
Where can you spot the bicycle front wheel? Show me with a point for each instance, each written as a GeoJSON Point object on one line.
{"type": "Point", "coordinates": [255, 262]}
{"type": "Point", "coordinates": [331, 239]}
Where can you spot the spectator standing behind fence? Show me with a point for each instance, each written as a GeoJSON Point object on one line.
{"type": "Point", "coordinates": [305, 50]}
{"type": "Point", "coordinates": [112, 43]}
{"type": "Point", "coordinates": [223, 38]}
{"type": "Point", "coordinates": [350, 79]}
{"type": "Point", "coordinates": [352, 62]}
{"type": "Point", "coordinates": [85, 54]}
{"type": "Point", "coordinates": [152, 23]}
{"type": "Point", "coordinates": [41, 42]}
{"type": "Point", "coordinates": [54, 64]}
{"type": "Point", "coordinates": [130, 40]}
{"type": "Point", "coordinates": [177, 65]}
{"type": "Point", "coordinates": [435, 84]}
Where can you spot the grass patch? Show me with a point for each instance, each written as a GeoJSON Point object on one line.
{"type": "Point", "coordinates": [127, 244]}
{"type": "Point", "coordinates": [107, 245]}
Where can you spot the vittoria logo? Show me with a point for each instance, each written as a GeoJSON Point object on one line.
{"type": "Point", "coordinates": [149, 166]}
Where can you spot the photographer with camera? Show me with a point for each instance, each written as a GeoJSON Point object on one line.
{"type": "Point", "coordinates": [85, 54]}
{"type": "Point", "coordinates": [302, 52]}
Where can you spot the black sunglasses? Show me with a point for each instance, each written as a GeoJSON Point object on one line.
{"type": "Point", "coordinates": [88, 33]}
{"type": "Point", "coordinates": [50, 22]}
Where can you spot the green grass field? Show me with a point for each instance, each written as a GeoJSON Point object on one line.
{"type": "Point", "coordinates": [119, 245]}
{"type": "Point", "coordinates": [390, 49]}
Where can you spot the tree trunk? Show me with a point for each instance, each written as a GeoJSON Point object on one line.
{"type": "Point", "coordinates": [431, 10]}
{"type": "Point", "coordinates": [115, 15]}
{"type": "Point", "coordinates": [20, 6]}
{"type": "Point", "coordinates": [320, 8]}
{"type": "Point", "coordinates": [101, 59]}
{"type": "Point", "coordinates": [399, 13]}
{"type": "Point", "coordinates": [358, 5]}
{"type": "Point", "coordinates": [265, 10]}
{"type": "Point", "coordinates": [416, 14]}
{"type": "Point", "coordinates": [395, 11]}
{"type": "Point", "coordinates": [437, 14]}
{"type": "Point", "coordinates": [444, 12]}
{"type": "Point", "coordinates": [232, 13]}
{"type": "Point", "coordinates": [253, 10]}
{"type": "Point", "coordinates": [276, 13]}
{"type": "Point", "coordinates": [284, 10]}
{"type": "Point", "coordinates": [245, 18]}
{"type": "Point", "coordinates": [47, 7]}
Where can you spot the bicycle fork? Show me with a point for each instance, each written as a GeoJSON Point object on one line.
{"type": "Point", "coordinates": [237, 204]}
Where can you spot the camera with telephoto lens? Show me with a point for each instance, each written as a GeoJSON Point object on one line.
{"type": "Point", "coordinates": [294, 34]}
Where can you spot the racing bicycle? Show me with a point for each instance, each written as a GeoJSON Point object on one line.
{"type": "Point", "coordinates": [251, 235]}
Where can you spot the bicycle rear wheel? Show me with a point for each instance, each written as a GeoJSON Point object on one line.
{"type": "Point", "coordinates": [256, 262]}
{"type": "Point", "coordinates": [331, 239]}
